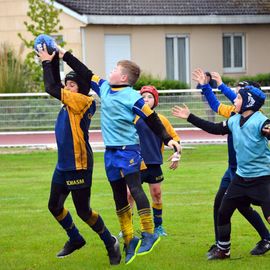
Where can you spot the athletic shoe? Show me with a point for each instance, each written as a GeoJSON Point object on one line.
{"type": "Point", "coordinates": [131, 249]}
{"type": "Point", "coordinates": [219, 254]}
{"type": "Point", "coordinates": [160, 231]}
{"type": "Point", "coordinates": [211, 249]}
{"type": "Point", "coordinates": [148, 242]}
{"type": "Point", "coordinates": [261, 247]}
{"type": "Point", "coordinates": [114, 252]}
{"type": "Point", "coordinates": [70, 247]}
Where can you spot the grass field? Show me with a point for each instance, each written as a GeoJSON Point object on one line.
{"type": "Point", "coordinates": [30, 237]}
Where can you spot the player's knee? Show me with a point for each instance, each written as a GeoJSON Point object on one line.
{"type": "Point", "coordinates": [84, 215]}
{"type": "Point", "coordinates": [130, 199]}
{"type": "Point", "coordinates": [156, 196]}
{"type": "Point", "coordinates": [136, 191]}
{"type": "Point", "coordinates": [54, 209]}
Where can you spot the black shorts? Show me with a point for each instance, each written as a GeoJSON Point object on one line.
{"type": "Point", "coordinates": [73, 179]}
{"type": "Point", "coordinates": [152, 175]}
{"type": "Point", "coordinates": [256, 190]}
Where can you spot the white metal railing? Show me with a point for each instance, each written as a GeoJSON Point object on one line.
{"type": "Point", "coordinates": [38, 111]}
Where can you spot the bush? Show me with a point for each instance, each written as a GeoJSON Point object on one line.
{"type": "Point", "coordinates": [147, 79]}
{"type": "Point", "coordinates": [13, 74]}
{"type": "Point", "coordinates": [262, 79]}
{"type": "Point", "coordinates": [229, 81]}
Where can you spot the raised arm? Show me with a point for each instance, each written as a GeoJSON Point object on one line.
{"type": "Point", "coordinates": [210, 127]}
{"type": "Point", "coordinates": [51, 74]}
{"type": "Point", "coordinates": [81, 69]}
{"type": "Point", "coordinates": [198, 75]}
{"type": "Point", "coordinates": [215, 104]}
{"type": "Point", "coordinates": [228, 92]}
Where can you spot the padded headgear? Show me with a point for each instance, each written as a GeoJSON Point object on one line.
{"type": "Point", "coordinates": [150, 89]}
{"type": "Point", "coordinates": [247, 83]}
{"type": "Point", "coordinates": [84, 86]}
{"type": "Point", "coordinates": [253, 98]}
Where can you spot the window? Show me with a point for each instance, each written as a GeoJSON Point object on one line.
{"type": "Point", "coordinates": [177, 55]}
{"type": "Point", "coordinates": [117, 47]}
{"type": "Point", "coordinates": [233, 52]}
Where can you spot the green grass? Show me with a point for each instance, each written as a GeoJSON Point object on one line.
{"type": "Point", "coordinates": [30, 237]}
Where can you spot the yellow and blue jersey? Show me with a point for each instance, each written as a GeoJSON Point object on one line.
{"type": "Point", "coordinates": [225, 110]}
{"type": "Point", "coordinates": [152, 146]}
{"type": "Point", "coordinates": [71, 131]}
{"type": "Point", "coordinates": [119, 106]}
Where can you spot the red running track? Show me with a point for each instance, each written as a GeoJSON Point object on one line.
{"type": "Point", "coordinates": [188, 136]}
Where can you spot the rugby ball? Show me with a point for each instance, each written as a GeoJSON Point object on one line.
{"type": "Point", "coordinates": [49, 41]}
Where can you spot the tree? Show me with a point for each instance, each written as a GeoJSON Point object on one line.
{"type": "Point", "coordinates": [44, 20]}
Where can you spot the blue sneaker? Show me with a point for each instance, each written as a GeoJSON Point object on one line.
{"type": "Point", "coordinates": [160, 231]}
{"type": "Point", "coordinates": [148, 242]}
{"type": "Point", "coordinates": [131, 249]}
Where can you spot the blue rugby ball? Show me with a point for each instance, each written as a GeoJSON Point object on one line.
{"type": "Point", "coordinates": [49, 41]}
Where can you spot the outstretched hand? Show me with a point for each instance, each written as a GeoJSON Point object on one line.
{"type": "Point", "coordinates": [216, 76]}
{"type": "Point", "coordinates": [198, 76]}
{"type": "Point", "coordinates": [44, 55]}
{"type": "Point", "coordinates": [181, 112]}
{"type": "Point", "coordinates": [62, 51]}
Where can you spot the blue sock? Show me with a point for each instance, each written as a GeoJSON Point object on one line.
{"type": "Point", "coordinates": [70, 228]}
{"type": "Point", "coordinates": [104, 234]}
{"type": "Point", "coordinates": [157, 216]}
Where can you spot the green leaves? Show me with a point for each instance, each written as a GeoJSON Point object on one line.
{"type": "Point", "coordinates": [43, 20]}
{"type": "Point", "coordinates": [13, 73]}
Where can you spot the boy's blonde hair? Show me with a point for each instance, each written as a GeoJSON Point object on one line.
{"type": "Point", "coordinates": [131, 69]}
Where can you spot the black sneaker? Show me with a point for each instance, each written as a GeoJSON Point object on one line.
{"type": "Point", "coordinates": [114, 252]}
{"type": "Point", "coordinates": [261, 247]}
{"type": "Point", "coordinates": [219, 254]}
{"type": "Point", "coordinates": [211, 249]}
{"type": "Point", "coordinates": [70, 247]}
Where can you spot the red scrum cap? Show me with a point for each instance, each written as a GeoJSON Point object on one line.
{"type": "Point", "coordinates": [150, 89]}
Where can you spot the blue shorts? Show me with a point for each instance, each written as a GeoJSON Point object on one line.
{"type": "Point", "coordinates": [73, 179]}
{"type": "Point", "coordinates": [227, 177]}
{"type": "Point", "coordinates": [152, 175]}
{"type": "Point", "coordinates": [121, 162]}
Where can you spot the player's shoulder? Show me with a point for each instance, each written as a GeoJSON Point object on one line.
{"type": "Point", "coordinates": [163, 118]}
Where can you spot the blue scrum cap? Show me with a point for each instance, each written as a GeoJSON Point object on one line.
{"type": "Point", "coordinates": [253, 98]}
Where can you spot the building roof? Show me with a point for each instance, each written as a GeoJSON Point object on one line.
{"type": "Point", "coordinates": [168, 7]}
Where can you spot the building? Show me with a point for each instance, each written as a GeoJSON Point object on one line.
{"type": "Point", "coordinates": [166, 38]}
